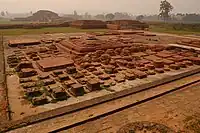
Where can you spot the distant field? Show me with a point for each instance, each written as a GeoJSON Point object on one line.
{"type": "Point", "coordinates": [8, 32]}
{"type": "Point", "coordinates": [12, 22]}
{"type": "Point", "coordinates": [7, 21]}
{"type": "Point", "coordinates": [175, 28]}
{"type": "Point", "coordinates": [179, 32]}
{"type": "Point", "coordinates": [172, 31]}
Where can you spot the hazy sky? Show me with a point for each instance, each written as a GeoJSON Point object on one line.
{"type": "Point", "coordinates": [97, 6]}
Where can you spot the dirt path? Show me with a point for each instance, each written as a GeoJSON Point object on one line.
{"type": "Point", "coordinates": [174, 110]}
{"type": "Point", "coordinates": [90, 113]}
{"type": "Point", "coordinates": [3, 102]}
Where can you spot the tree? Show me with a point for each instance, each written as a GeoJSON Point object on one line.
{"type": "Point", "coordinates": [3, 13]}
{"type": "Point", "coordinates": [87, 16]}
{"type": "Point", "coordinates": [109, 16]}
{"type": "Point", "coordinates": [75, 14]}
{"type": "Point", "coordinates": [191, 17]}
{"type": "Point", "coordinates": [7, 13]}
{"type": "Point", "coordinates": [100, 16]}
{"type": "Point", "coordinates": [140, 17]}
{"type": "Point", "coordinates": [122, 15]}
{"type": "Point", "coordinates": [165, 9]}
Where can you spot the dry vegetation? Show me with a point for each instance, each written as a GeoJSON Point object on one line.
{"type": "Point", "coordinates": [7, 32]}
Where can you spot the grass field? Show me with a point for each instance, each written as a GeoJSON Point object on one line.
{"type": "Point", "coordinates": [175, 29]}
{"type": "Point", "coordinates": [8, 32]}
{"type": "Point", "coordinates": [171, 31]}
{"type": "Point", "coordinates": [7, 21]}
{"type": "Point", "coordinates": [12, 22]}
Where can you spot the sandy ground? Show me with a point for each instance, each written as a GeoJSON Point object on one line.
{"type": "Point", "coordinates": [89, 113]}
{"type": "Point", "coordinates": [3, 101]}
{"type": "Point", "coordinates": [174, 110]}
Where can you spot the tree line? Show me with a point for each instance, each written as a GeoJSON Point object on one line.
{"type": "Point", "coordinates": [103, 16]}
{"type": "Point", "coordinates": [165, 14]}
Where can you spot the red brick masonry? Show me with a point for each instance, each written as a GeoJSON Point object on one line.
{"type": "Point", "coordinates": [50, 64]}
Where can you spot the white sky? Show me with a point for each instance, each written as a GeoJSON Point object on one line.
{"type": "Point", "coordinates": [97, 6]}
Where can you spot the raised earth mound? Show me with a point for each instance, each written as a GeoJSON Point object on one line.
{"type": "Point", "coordinates": [41, 16]}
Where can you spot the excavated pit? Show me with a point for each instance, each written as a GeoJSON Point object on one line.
{"type": "Point", "coordinates": [81, 70]}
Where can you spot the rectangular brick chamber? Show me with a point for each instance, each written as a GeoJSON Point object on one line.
{"type": "Point", "coordinates": [18, 42]}
{"type": "Point", "coordinates": [50, 64]}
{"type": "Point", "coordinates": [126, 24]}
{"type": "Point", "coordinates": [113, 26]}
{"type": "Point", "coordinates": [88, 24]}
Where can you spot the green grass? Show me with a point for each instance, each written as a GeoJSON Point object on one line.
{"type": "Point", "coordinates": [8, 21]}
{"type": "Point", "coordinates": [171, 30]}
{"type": "Point", "coordinates": [8, 32]}
{"type": "Point", "coordinates": [12, 22]}
{"type": "Point", "coordinates": [157, 27]}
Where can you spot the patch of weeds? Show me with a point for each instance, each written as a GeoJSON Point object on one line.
{"type": "Point", "coordinates": [103, 87]}
{"type": "Point", "coordinates": [192, 123]}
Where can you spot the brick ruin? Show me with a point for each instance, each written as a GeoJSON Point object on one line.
{"type": "Point", "coordinates": [84, 44]}
{"type": "Point", "coordinates": [23, 42]}
{"type": "Point", "coordinates": [88, 24]}
{"type": "Point", "coordinates": [53, 71]}
{"type": "Point", "coordinates": [40, 16]}
{"type": "Point", "coordinates": [189, 42]}
{"type": "Point", "coordinates": [126, 24]}
{"type": "Point", "coordinates": [46, 20]}
{"type": "Point", "coordinates": [50, 64]}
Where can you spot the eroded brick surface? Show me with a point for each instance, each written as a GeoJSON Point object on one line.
{"type": "Point", "coordinates": [80, 64]}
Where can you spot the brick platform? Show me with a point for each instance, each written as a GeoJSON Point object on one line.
{"type": "Point", "coordinates": [50, 64]}
{"type": "Point", "coordinates": [18, 42]}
